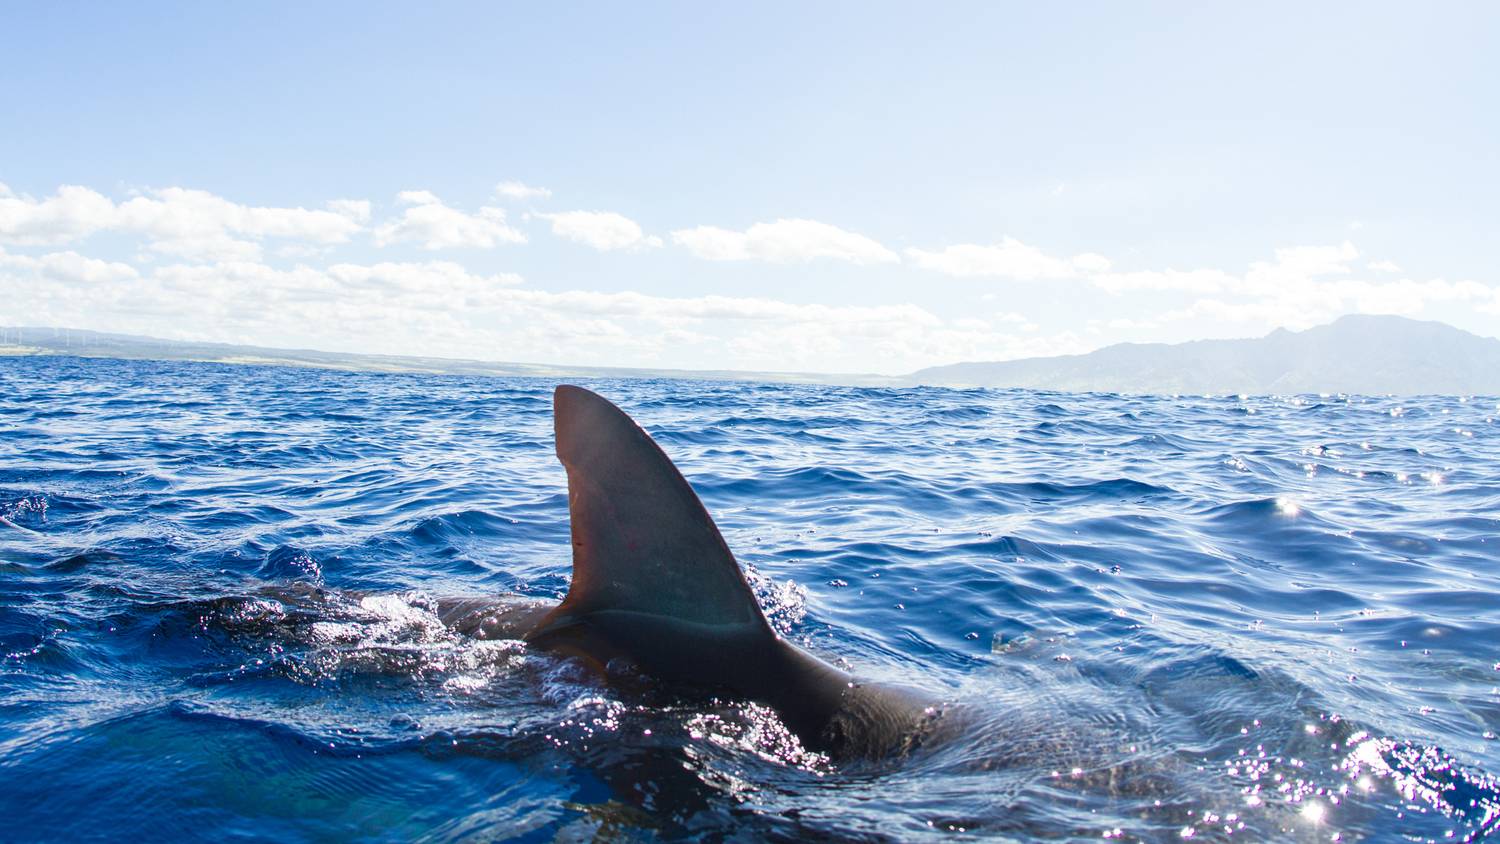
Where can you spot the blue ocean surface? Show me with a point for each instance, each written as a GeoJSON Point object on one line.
{"type": "Point", "coordinates": [1163, 618]}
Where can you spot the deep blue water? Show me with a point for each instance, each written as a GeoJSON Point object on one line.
{"type": "Point", "coordinates": [1225, 618]}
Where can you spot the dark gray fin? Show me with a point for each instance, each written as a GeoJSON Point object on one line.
{"type": "Point", "coordinates": [642, 541]}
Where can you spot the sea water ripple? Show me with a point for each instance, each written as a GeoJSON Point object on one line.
{"type": "Point", "coordinates": [1193, 617]}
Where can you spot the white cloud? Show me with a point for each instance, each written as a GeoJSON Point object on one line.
{"type": "Point", "coordinates": [438, 277]}
{"type": "Point", "coordinates": [175, 221]}
{"type": "Point", "coordinates": [441, 308]}
{"type": "Point", "coordinates": [217, 247]}
{"type": "Point", "coordinates": [418, 197]}
{"type": "Point", "coordinates": [182, 214]}
{"type": "Point", "coordinates": [784, 241]}
{"type": "Point", "coordinates": [517, 190]}
{"type": "Point", "coordinates": [1295, 270]}
{"type": "Point", "coordinates": [357, 210]}
{"type": "Point", "coordinates": [729, 308]}
{"type": "Point", "coordinates": [71, 213]}
{"type": "Point", "coordinates": [1125, 324]}
{"type": "Point", "coordinates": [1091, 262]}
{"type": "Point", "coordinates": [1296, 267]}
{"type": "Point", "coordinates": [1407, 297]}
{"type": "Point", "coordinates": [1008, 259]}
{"type": "Point", "coordinates": [1192, 281]}
{"type": "Point", "coordinates": [1300, 287]}
{"type": "Point", "coordinates": [1316, 302]}
{"type": "Point", "coordinates": [433, 225]}
{"type": "Point", "coordinates": [603, 230]}
{"type": "Point", "coordinates": [1120, 325]}
{"type": "Point", "coordinates": [1263, 312]}
{"type": "Point", "coordinates": [420, 285]}
{"type": "Point", "coordinates": [68, 267]}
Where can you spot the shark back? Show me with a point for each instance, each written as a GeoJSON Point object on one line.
{"type": "Point", "coordinates": [654, 584]}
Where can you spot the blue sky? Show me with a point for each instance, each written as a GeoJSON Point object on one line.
{"type": "Point", "coordinates": [835, 187]}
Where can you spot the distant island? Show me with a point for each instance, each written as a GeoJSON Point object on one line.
{"type": "Point", "coordinates": [1354, 354]}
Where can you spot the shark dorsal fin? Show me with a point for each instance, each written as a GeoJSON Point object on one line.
{"type": "Point", "coordinates": [642, 541]}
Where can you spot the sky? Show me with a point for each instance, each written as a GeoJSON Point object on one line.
{"type": "Point", "coordinates": [831, 187]}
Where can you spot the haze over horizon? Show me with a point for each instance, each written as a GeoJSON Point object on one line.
{"type": "Point", "coordinates": [881, 190]}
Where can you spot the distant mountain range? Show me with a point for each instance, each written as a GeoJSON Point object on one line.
{"type": "Point", "coordinates": [1354, 354]}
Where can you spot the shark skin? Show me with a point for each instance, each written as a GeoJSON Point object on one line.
{"type": "Point", "coordinates": [655, 586]}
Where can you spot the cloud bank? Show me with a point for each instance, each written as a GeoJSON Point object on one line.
{"type": "Point", "coordinates": [782, 242]}
{"type": "Point", "coordinates": [1008, 259]}
{"type": "Point", "coordinates": [354, 275]}
{"type": "Point", "coordinates": [602, 230]}
{"type": "Point", "coordinates": [173, 221]}
{"type": "Point", "coordinates": [430, 224]}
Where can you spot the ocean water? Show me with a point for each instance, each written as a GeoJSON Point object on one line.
{"type": "Point", "coordinates": [1206, 618]}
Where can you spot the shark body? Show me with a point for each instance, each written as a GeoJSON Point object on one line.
{"type": "Point", "coordinates": [655, 586]}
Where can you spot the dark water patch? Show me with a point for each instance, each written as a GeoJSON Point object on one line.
{"type": "Point", "coordinates": [961, 413]}
{"type": "Point", "coordinates": [88, 560]}
{"type": "Point", "coordinates": [1107, 489]}
{"type": "Point", "coordinates": [466, 524]}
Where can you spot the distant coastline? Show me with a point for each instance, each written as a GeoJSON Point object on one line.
{"type": "Point", "coordinates": [96, 344]}
{"type": "Point", "coordinates": [1354, 354]}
